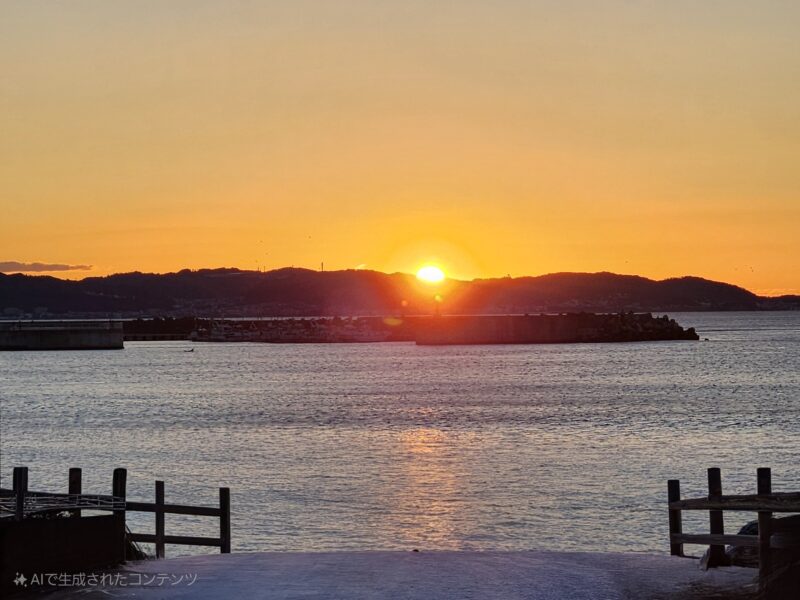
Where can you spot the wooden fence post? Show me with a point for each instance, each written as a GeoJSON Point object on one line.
{"type": "Point", "coordinates": [159, 519]}
{"type": "Point", "coordinates": [716, 553]}
{"type": "Point", "coordinates": [225, 520]}
{"type": "Point", "coordinates": [764, 477]}
{"type": "Point", "coordinates": [118, 491]}
{"type": "Point", "coordinates": [75, 487]}
{"type": "Point", "coordinates": [20, 489]}
{"type": "Point", "coordinates": [675, 524]}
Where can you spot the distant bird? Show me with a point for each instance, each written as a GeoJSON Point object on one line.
{"type": "Point", "coordinates": [190, 350]}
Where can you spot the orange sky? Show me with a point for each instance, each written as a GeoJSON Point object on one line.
{"type": "Point", "coordinates": [496, 138]}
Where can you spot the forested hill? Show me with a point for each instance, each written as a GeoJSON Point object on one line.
{"type": "Point", "coordinates": [293, 292]}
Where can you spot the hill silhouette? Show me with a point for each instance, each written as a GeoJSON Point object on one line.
{"type": "Point", "coordinates": [296, 292]}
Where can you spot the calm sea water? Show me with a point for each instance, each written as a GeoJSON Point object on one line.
{"type": "Point", "coordinates": [394, 446]}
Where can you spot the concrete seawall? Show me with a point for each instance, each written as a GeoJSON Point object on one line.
{"type": "Point", "coordinates": [549, 329]}
{"type": "Point", "coordinates": [60, 335]}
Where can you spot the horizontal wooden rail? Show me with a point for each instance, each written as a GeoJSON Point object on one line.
{"type": "Point", "coordinates": [174, 509]}
{"type": "Point", "coordinates": [786, 502]}
{"type": "Point", "coordinates": [149, 538]}
{"type": "Point", "coordinates": [718, 539]}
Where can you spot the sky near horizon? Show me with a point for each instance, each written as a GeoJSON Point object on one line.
{"type": "Point", "coordinates": [492, 138]}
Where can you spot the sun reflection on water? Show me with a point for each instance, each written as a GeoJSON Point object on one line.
{"type": "Point", "coordinates": [422, 441]}
{"type": "Point", "coordinates": [425, 508]}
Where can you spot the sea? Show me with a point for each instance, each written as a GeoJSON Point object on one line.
{"type": "Point", "coordinates": [396, 446]}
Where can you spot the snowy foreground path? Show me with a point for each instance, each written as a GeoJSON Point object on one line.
{"type": "Point", "coordinates": [422, 575]}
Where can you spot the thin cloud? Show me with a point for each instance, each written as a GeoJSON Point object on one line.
{"type": "Point", "coordinates": [12, 266]}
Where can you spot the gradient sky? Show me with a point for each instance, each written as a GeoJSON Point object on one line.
{"type": "Point", "coordinates": [503, 137]}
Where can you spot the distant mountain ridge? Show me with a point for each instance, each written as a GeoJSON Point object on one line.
{"type": "Point", "coordinates": [298, 292]}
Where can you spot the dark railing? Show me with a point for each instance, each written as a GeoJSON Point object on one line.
{"type": "Point", "coordinates": [160, 508]}
{"type": "Point", "coordinates": [764, 502]}
{"type": "Point", "coordinates": [20, 503]}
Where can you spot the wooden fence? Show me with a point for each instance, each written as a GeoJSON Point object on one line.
{"type": "Point", "coordinates": [764, 502]}
{"type": "Point", "coordinates": [160, 508]}
{"type": "Point", "coordinates": [20, 503]}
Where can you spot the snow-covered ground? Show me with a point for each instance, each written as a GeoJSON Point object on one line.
{"type": "Point", "coordinates": [417, 575]}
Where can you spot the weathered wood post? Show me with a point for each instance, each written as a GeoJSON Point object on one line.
{"type": "Point", "coordinates": [75, 487]}
{"type": "Point", "coordinates": [764, 477]}
{"type": "Point", "coordinates": [118, 491]}
{"type": "Point", "coordinates": [225, 520]}
{"type": "Point", "coordinates": [159, 519]}
{"type": "Point", "coordinates": [20, 483]}
{"type": "Point", "coordinates": [675, 523]}
{"type": "Point", "coordinates": [716, 553]}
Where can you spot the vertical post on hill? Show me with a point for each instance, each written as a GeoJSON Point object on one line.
{"type": "Point", "coordinates": [675, 522]}
{"type": "Point", "coordinates": [159, 511]}
{"type": "Point", "coordinates": [75, 487]}
{"type": "Point", "coordinates": [764, 477]}
{"type": "Point", "coordinates": [20, 490]}
{"type": "Point", "coordinates": [225, 520]}
{"type": "Point", "coordinates": [716, 521]}
{"type": "Point", "coordinates": [118, 491]}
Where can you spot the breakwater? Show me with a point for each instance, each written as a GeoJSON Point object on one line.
{"type": "Point", "coordinates": [442, 330]}
{"type": "Point", "coordinates": [550, 329]}
{"type": "Point", "coordinates": [315, 330]}
{"type": "Point", "coordinates": [61, 335]}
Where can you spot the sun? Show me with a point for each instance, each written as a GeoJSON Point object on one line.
{"type": "Point", "coordinates": [430, 274]}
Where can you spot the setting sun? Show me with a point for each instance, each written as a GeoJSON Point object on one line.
{"type": "Point", "coordinates": [430, 274]}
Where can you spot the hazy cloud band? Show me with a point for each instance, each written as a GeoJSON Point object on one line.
{"type": "Point", "coordinates": [12, 266]}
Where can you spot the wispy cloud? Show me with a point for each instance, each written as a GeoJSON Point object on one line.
{"type": "Point", "coordinates": [13, 266]}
